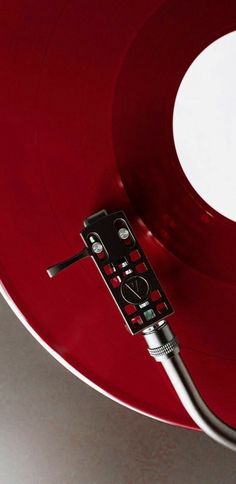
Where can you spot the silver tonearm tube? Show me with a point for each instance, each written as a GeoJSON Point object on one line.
{"type": "Point", "coordinates": [162, 344]}
{"type": "Point", "coordinates": [164, 348]}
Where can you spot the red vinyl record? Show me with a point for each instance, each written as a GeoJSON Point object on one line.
{"type": "Point", "coordinates": [87, 98]}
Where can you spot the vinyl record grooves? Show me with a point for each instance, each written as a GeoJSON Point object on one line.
{"type": "Point", "coordinates": [87, 96]}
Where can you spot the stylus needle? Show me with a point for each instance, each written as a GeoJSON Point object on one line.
{"type": "Point", "coordinates": [55, 269]}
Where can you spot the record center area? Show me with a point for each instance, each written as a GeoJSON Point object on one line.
{"type": "Point", "coordinates": [204, 125]}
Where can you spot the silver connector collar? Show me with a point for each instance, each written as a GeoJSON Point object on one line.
{"type": "Point", "coordinates": [162, 343]}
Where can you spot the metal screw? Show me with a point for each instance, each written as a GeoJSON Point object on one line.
{"type": "Point", "coordinates": [123, 233]}
{"type": "Point", "coordinates": [97, 248]}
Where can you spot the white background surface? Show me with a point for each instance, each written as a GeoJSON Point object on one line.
{"type": "Point", "coordinates": [57, 430]}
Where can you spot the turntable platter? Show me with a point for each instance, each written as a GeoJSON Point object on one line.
{"type": "Point", "coordinates": [87, 97]}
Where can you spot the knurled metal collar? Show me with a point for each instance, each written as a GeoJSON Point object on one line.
{"type": "Point", "coordinates": [165, 351]}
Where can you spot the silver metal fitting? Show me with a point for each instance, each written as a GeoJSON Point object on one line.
{"type": "Point", "coordinates": [97, 247]}
{"type": "Point", "coordinates": [123, 233]}
{"type": "Point", "coordinates": [161, 342]}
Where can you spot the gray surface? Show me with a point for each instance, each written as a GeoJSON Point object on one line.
{"type": "Point", "coordinates": [57, 430]}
